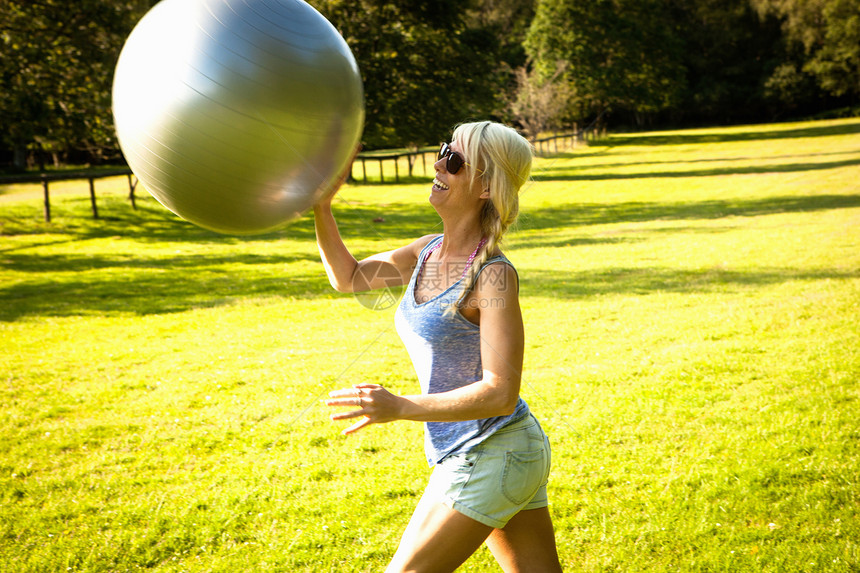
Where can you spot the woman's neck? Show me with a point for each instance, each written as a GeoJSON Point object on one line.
{"type": "Point", "coordinates": [459, 239]}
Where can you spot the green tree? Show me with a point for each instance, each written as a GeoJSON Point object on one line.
{"type": "Point", "coordinates": [621, 54]}
{"type": "Point", "coordinates": [728, 53]}
{"type": "Point", "coordinates": [423, 68]}
{"type": "Point", "coordinates": [507, 22]}
{"type": "Point", "coordinates": [828, 35]}
{"type": "Point", "coordinates": [56, 72]}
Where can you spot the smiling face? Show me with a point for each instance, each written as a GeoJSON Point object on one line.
{"type": "Point", "coordinates": [455, 190]}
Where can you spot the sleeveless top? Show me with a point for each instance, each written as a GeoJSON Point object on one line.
{"type": "Point", "coordinates": [446, 352]}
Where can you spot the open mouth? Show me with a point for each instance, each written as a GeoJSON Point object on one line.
{"type": "Point", "coordinates": [438, 185]}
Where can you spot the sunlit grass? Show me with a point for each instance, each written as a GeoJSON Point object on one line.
{"type": "Point", "coordinates": [691, 302]}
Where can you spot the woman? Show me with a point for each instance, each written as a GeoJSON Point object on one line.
{"type": "Point", "coordinates": [460, 321]}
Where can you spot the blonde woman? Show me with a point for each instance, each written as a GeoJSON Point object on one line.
{"type": "Point", "coordinates": [461, 323]}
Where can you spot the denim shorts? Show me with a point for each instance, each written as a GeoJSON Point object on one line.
{"type": "Point", "coordinates": [497, 478]}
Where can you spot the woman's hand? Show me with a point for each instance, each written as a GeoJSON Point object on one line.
{"type": "Point", "coordinates": [336, 183]}
{"type": "Point", "coordinates": [375, 405]}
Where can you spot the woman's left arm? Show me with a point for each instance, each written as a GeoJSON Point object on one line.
{"type": "Point", "coordinates": [496, 394]}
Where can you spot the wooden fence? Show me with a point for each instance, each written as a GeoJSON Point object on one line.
{"type": "Point", "coordinates": [46, 178]}
{"type": "Point", "coordinates": [546, 145]}
{"type": "Point", "coordinates": [380, 160]}
{"type": "Point", "coordinates": [542, 146]}
{"type": "Point", "coordinates": [549, 144]}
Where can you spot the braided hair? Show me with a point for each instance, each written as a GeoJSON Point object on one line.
{"type": "Point", "coordinates": [504, 160]}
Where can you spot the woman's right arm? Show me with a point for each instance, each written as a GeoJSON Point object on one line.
{"type": "Point", "coordinates": [345, 273]}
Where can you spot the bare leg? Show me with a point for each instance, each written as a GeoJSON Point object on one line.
{"type": "Point", "coordinates": [526, 544]}
{"type": "Point", "coordinates": [437, 540]}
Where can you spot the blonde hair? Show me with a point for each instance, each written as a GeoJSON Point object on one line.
{"type": "Point", "coordinates": [502, 160]}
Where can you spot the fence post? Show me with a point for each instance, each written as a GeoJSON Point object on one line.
{"type": "Point", "coordinates": [47, 198]}
{"type": "Point", "coordinates": [131, 192]}
{"type": "Point", "coordinates": [93, 198]}
{"type": "Point", "coordinates": [381, 176]}
{"type": "Point", "coordinates": [397, 169]}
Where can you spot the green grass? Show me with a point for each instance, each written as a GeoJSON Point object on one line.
{"type": "Point", "coordinates": [692, 308]}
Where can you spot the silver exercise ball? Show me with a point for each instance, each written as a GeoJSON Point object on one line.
{"type": "Point", "coordinates": [234, 113]}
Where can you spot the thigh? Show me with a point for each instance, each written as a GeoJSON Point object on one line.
{"type": "Point", "coordinates": [526, 544]}
{"type": "Point", "coordinates": [438, 539]}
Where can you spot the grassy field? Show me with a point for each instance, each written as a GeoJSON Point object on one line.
{"type": "Point", "coordinates": [692, 308]}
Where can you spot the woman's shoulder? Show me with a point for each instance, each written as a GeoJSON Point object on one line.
{"type": "Point", "coordinates": [496, 275]}
{"type": "Point", "coordinates": [421, 243]}
{"type": "Point", "coordinates": [497, 257]}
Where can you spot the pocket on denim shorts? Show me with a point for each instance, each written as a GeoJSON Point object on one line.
{"type": "Point", "coordinates": [524, 474]}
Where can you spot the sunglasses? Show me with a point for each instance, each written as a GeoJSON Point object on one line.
{"type": "Point", "coordinates": [454, 161]}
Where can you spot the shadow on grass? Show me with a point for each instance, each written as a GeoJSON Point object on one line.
{"type": "Point", "coordinates": [752, 134]}
{"type": "Point", "coordinates": [79, 263]}
{"type": "Point", "coordinates": [145, 292]}
{"type": "Point", "coordinates": [593, 166]}
{"type": "Point", "coordinates": [71, 280]}
{"type": "Point", "coordinates": [537, 242]}
{"type": "Point", "coordinates": [78, 282]}
{"type": "Point", "coordinates": [568, 173]}
{"type": "Point", "coordinates": [648, 280]}
{"type": "Point", "coordinates": [151, 223]}
{"type": "Point", "coordinates": [579, 214]}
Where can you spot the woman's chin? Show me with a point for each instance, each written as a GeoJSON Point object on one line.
{"type": "Point", "coordinates": [437, 199]}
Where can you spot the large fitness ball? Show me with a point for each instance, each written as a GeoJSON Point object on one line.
{"type": "Point", "coordinates": [234, 113]}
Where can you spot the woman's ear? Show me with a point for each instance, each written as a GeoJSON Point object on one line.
{"type": "Point", "coordinates": [485, 194]}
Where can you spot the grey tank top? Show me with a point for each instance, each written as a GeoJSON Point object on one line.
{"type": "Point", "coordinates": [446, 352]}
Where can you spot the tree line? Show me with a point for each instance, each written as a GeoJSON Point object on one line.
{"type": "Point", "coordinates": [538, 64]}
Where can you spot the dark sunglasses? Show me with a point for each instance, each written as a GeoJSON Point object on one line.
{"type": "Point", "coordinates": [454, 162]}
